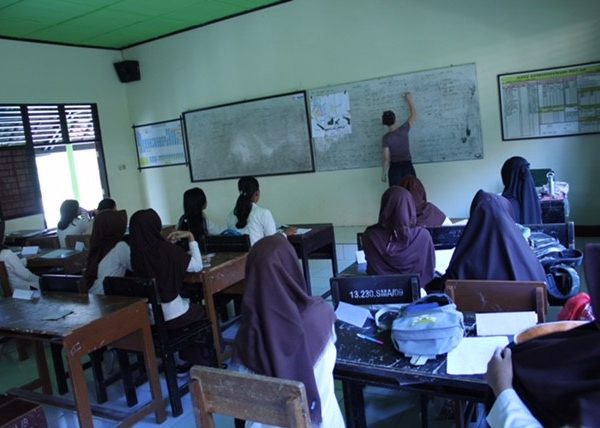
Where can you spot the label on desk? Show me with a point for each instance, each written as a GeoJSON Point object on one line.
{"type": "Point", "coordinates": [30, 251]}
{"type": "Point", "coordinates": [352, 314]}
{"type": "Point", "coordinates": [19, 293]}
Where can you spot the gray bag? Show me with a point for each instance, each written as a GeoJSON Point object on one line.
{"type": "Point", "coordinates": [428, 327]}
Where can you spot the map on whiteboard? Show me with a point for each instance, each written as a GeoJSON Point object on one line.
{"type": "Point", "coordinates": [330, 115]}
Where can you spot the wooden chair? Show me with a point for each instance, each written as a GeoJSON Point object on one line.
{"type": "Point", "coordinates": [499, 296]}
{"type": "Point", "coordinates": [226, 243]}
{"type": "Point", "coordinates": [263, 399]}
{"type": "Point", "coordinates": [50, 242]}
{"type": "Point", "coordinates": [71, 240]}
{"type": "Point", "coordinates": [375, 289]}
{"type": "Point", "coordinates": [166, 342]}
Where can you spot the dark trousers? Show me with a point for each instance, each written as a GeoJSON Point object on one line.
{"type": "Point", "coordinates": [399, 170]}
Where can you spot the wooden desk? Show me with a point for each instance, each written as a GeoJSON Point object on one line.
{"type": "Point", "coordinates": [95, 321]}
{"type": "Point", "coordinates": [360, 362]}
{"type": "Point", "coordinates": [73, 263]}
{"type": "Point", "coordinates": [319, 243]}
{"type": "Point", "coordinates": [225, 274]}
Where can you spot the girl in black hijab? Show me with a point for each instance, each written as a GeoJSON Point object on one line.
{"type": "Point", "coordinates": [519, 189]}
{"type": "Point", "coordinates": [285, 332]}
{"type": "Point", "coordinates": [154, 257]}
{"type": "Point", "coordinates": [492, 247]}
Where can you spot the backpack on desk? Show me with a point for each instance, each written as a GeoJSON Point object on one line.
{"type": "Point", "coordinates": [428, 327]}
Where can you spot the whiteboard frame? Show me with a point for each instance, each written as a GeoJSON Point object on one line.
{"type": "Point", "coordinates": [157, 125]}
{"type": "Point", "coordinates": [533, 73]}
{"type": "Point", "coordinates": [308, 141]}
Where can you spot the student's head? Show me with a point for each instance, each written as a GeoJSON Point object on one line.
{"type": "Point", "coordinates": [397, 210]}
{"type": "Point", "coordinates": [107, 204]}
{"type": "Point", "coordinates": [145, 223]}
{"type": "Point", "coordinates": [515, 169]}
{"type": "Point", "coordinates": [388, 118]}
{"type": "Point", "coordinates": [249, 193]}
{"type": "Point", "coordinates": [194, 201]}
{"type": "Point", "coordinates": [69, 211]}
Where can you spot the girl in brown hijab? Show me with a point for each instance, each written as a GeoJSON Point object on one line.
{"type": "Point", "coordinates": [285, 332]}
{"type": "Point", "coordinates": [154, 257]}
{"type": "Point", "coordinates": [428, 215]}
{"type": "Point", "coordinates": [108, 230]}
{"type": "Point", "coordinates": [395, 244]}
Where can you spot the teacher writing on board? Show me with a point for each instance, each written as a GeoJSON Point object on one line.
{"type": "Point", "coordinates": [397, 162]}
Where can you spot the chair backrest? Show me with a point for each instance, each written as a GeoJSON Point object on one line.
{"type": "Point", "coordinates": [166, 230]}
{"type": "Point", "coordinates": [564, 232]}
{"type": "Point", "coordinates": [6, 288]}
{"type": "Point", "coordinates": [71, 240]}
{"type": "Point", "coordinates": [445, 237]}
{"type": "Point", "coordinates": [44, 242]}
{"type": "Point", "coordinates": [62, 283]}
{"type": "Point", "coordinates": [251, 397]}
{"type": "Point", "coordinates": [375, 289]}
{"type": "Point", "coordinates": [226, 243]}
{"type": "Point", "coordinates": [139, 287]}
{"type": "Point", "coordinates": [499, 296]}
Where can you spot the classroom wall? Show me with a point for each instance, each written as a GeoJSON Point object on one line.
{"type": "Point", "coordinates": [44, 73]}
{"type": "Point", "coordinates": [314, 43]}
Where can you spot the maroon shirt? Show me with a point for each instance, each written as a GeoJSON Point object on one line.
{"type": "Point", "coordinates": [397, 142]}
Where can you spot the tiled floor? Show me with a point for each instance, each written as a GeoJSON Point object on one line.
{"type": "Point", "coordinates": [384, 408]}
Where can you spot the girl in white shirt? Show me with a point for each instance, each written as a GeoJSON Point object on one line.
{"type": "Point", "coordinates": [247, 217]}
{"type": "Point", "coordinates": [18, 275]}
{"type": "Point", "coordinates": [193, 218]}
{"type": "Point", "coordinates": [73, 221]}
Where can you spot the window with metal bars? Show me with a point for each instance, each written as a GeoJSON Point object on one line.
{"type": "Point", "coordinates": [37, 128]}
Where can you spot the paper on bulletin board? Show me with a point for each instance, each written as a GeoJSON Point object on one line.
{"type": "Point", "coordinates": [160, 144]}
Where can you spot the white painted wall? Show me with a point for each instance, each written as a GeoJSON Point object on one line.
{"type": "Point", "coordinates": [313, 43]}
{"type": "Point", "coordinates": [40, 73]}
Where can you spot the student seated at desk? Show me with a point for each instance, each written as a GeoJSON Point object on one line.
{"type": "Point", "coordinates": [395, 244]}
{"type": "Point", "coordinates": [154, 257]}
{"type": "Point", "coordinates": [491, 245]}
{"type": "Point", "coordinates": [104, 205]}
{"type": "Point", "coordinates": [428, 215]}
{"type": "Point", "coordinates": [247, 218]}
{"type": "Point", "coordinates": [519, 189]}
{"type": "Point", "coordinates": [551, 380]}
{"type": "Point", "coordinates": [193, 218]}
{"type": "Point", "coordinates": [18, 275]}
{"type": "Point", "coordinates": [109, 254]}
{"type": "Point", "coordinates": [286, 333]}
{"type": "Point", "coordinates": [74, 220]}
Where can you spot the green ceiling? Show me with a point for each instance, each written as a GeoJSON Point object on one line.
{"type": "Point", "coordinates": [115, 24]}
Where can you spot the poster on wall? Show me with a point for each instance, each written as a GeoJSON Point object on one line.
{"type": "Point", "coordinates": [551, 102]}
{"type": "Point", "coordinates": [160, 144]}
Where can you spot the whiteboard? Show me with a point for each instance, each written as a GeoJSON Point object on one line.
{"type": "Point", "coordinates": [552, 102]}
{"type": "Point", "coordinates": [448, 125]}
{"type": "Point", "coordinates": [264, 136]}
{"type": "Point", "coordinates": [159, 144]}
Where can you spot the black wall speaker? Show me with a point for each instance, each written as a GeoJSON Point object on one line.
{"type": "Point", "coordinates": [128, 71]}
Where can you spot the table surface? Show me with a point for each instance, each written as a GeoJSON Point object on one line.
{"type": "Point", "coordinates": [32, 316]}
{"type": "Point", "coordinates": [359, 359]}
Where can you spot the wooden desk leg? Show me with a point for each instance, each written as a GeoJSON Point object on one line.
{"type": "Point", "coordinates": [354, 404]}
{"type": "Point", "coordinates": [306, 271]}
{"type": "Point", "coordinates": [334, 265]}
{"type": "Point", "coordinates": [80, 392]}
{"type": "Point", "coordinates": [42, 366]}
{"type": "Point", "coordinates": [214, 323]}
{"type": "Point", "coordinates": [150, 363]}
